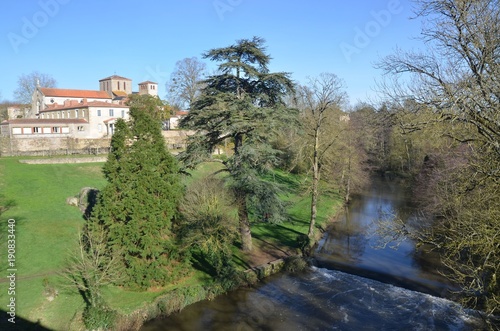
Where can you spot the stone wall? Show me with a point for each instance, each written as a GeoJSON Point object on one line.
{"type": "Point", "coordinates": [44, 146]}
{"type": "Point", "coordinates": [66, 160]}
{"type": "Point", "coordinates": [38, 146]}
{"type": "Point", "coordinates": [176, 139]}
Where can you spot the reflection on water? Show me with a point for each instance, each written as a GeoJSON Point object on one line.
{"type": "Point", "coordinates": [354, 243]}
{"type": "Point", "coordinates": [329, 299]}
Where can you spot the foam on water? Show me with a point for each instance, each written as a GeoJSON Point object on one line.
{"type": "Point", "coordinates": [389, 303]}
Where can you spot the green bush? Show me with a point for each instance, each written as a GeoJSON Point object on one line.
{"type": "Point", "coordinates": [99, 318]}
{"type": "Point", "coordinates": [295, 264]}
{"type": "Point", "coordinates": [303, 242]}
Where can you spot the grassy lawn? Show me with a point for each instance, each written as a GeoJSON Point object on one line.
{"type": "Point", "coordinates": [47, 231]}
{"type": "Point", "coordinates": [297, 196]}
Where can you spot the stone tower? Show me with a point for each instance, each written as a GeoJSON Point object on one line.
{"type": "Point", "coordinates": [148, 87]}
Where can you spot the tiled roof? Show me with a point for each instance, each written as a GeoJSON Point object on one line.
{"type": "Point", "coordinates": [115, 77]}
{"type": "Point", "coordinates": [85, 104]}
{"type": "Point", "coordinates": [66, 93]}
{"type": "Point", "coordinates": [148, 82]}
{"type": "Point", "coordinates": [44, 121]}
{"type": "Point", "coordinates": [120, 93]}
{"type": "Point", "coordinates": [182, 113]}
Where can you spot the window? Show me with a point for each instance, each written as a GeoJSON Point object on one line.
{"type": "Point", "coordinates": [47, 130]}
{"type": "Point", "coordinates": [99, 127]}
{"type": "Point", "coordinates": [83, 113]}
{"type": "Point", "coordinates": [17, 130]}
{"type": "Point", "coordinates": [98, 112]}
{"type": "Point", "coordinates": [118, 85]}
{"type": "Point", "coordinates": [76, 113]}
{"type": "Point", "coordinates": [56, 129]}
{"type": "Point", "coordinates": [124, 85]}
{"type": "Point", "coordinates": [27, 131]}
{"type": "Point", "coordinates": [123, 113]}
{"type": "Point", "coordinates": [37, 129]}
{"type": "Point", "coordinates": [68, 114]}
{"type": "Point", "coordinates": [111, 112]}
{"type": "Point", "coordinates": [43, 115]}
{"type": "Point", "coordinates": [58, 115]}
{"type": "Point", "coordinates": [80, 128]}
{"type": "Point", "coordinates": [64, 129]}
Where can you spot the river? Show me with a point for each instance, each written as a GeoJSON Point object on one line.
{"type": "Point", "coordinates": [356, 285]}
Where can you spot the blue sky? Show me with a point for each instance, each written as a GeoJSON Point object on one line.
{"type": "Point", "coordinates": [79, 42]}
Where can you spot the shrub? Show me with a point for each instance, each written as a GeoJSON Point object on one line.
{"type": "Point", "coordinates": [295, 264]}
{"type": "Point", "coordinates": [98, 318]}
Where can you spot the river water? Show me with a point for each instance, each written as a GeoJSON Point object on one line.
{"type": "Point", "coordinates": [357, 285]}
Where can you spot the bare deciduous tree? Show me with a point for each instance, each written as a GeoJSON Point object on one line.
{"type": "Point", "coordinates": [457, 75]}
{"type": "Point", "coordinates": [186, 82]}
{"type": "Point", "coordinates": [457, 79]}
{"type": "Point", "coordinates": [27, 83]}
{"type": "Point", "coordinates": [320, 103]}
{"type": "Point", "coordinates": [93, 267]}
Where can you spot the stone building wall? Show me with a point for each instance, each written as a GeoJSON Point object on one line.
{"type": "Point", "coordinates": [41, 146]}
{"type": "Point", "coordinates": [52, 146]}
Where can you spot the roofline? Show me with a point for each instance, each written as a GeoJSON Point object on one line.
{"type": "Point", "coordinates": [115, 76]}
{"type": "Point", "coordinates": [44, 121]}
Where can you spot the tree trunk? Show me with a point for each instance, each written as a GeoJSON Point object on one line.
{"type": "Point", "coordinates": [348, 183]}
{"type": "Point", "coordinates": [315, 183]}
{"type": "Point", "coordinates": [245, 231]}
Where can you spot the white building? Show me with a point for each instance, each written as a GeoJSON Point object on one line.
{"type": "Point", "coordinates": [100, 116]}
{"type": "Point", "coordinates": [45, 97]}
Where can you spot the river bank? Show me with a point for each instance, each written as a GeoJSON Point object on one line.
{"type": "Point", "coordinates": [276, 247]}
{"type": "Point", "coordinates": [322, 298]}
{"type": "Point", "coordinates": [47, 232]}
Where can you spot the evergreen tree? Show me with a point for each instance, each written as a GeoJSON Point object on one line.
{"type": "Point", "coordinates": [243, 103]}
{"type": "Point", "coordinates": [137, 205]}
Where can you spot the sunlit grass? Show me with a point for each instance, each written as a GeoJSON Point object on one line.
{"type": "Point", "coordinates": [47, 234]}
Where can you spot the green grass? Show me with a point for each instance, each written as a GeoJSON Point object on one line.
{"type": "Point", "coordinates": [299, 212]}
{"type": "Point", "coordinates": [47, 231]}
{"type": "Point", "coordinates": [46, 227]}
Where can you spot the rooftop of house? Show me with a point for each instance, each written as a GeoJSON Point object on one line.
{"type": "Point", "coordinates": [115, 77]}
{"type": "Point", "coordinates": [44, 121]}
{"type": "Point", "coordinates": [148, 82]}
{"type": "Point", "coordinates": [68, 93]}
{"type": "Point", "coordinates": [181, 113]}
{"type": "Point", "coordinates": [73, 104]}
